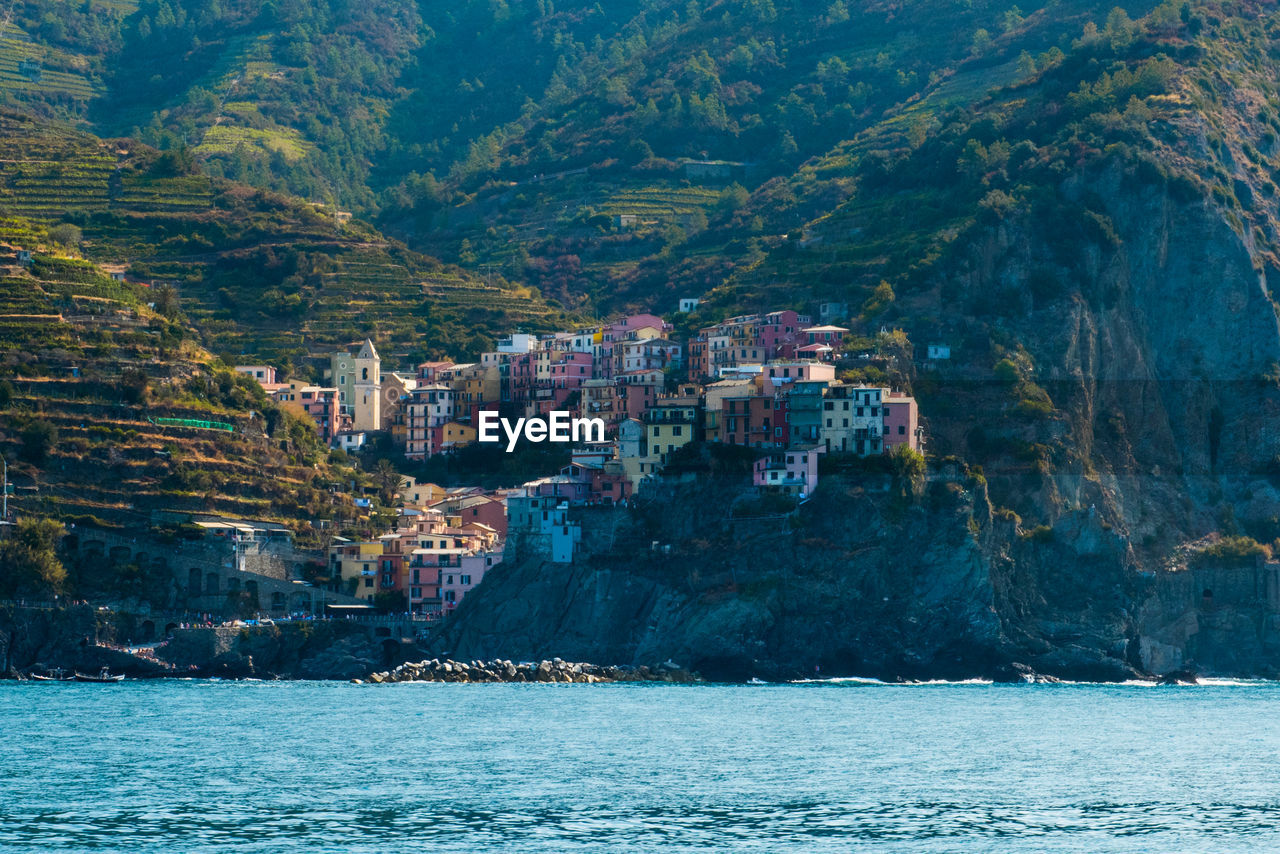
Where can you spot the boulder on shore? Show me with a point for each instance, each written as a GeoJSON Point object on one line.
{"type": "Point", "coordinates": [555, 670]}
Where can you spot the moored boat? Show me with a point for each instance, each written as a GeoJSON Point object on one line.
{"type": "Point", "coordinates": [104, 675]}
{"type": "Point", "coordinates": [55, 675]}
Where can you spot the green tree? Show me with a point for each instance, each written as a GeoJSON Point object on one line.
{"type": "Point", "coordinates": [1007, 372]}
{"type": "Point", "coordinates": [390, 602]}
{"type": "Point", "coordinates": [879, 300]}
{"type": "Point", "coordinates": [29, 561]}
{"type": "Point", "coordinates": [388, 479]}
{"type": "Point", "coordinates": [38, 438]}
{"type": "Point", "coordinates": [166, 300]}
{"type": "Point", "coordinates": [733, 197]}
{"type": "Point", "coordinates": [66, 234]}
{"type": "Point", "coordinates": [1026, 65]}
{"type": "Point", "coordinates": [908, 472]}
{"type": "Point", "coordinates": [133, 385]}
{"type": "Point", "coordinates": [175, 161]}
{"type": "Point", "coordinates": [981, 41]}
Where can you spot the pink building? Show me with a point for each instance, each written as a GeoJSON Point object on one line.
{"type": "Point", "coordinates": [635, 392]}
{"type": "Point", "coordinates": [570, 370]}
{"type": "Point", "coordinates": [320, 402]}
{"type": "Point", "coordinates": [779, 329]}
{"type": "Point", "coordinates": [821, 352]}
{"type": "Point", "coordinates": [832, 336]}
{"type": "Point", "coordinates": [488, 510]}
{"type": "Point", "coordinates": [608, 350]}
{"type": "Point", "coordinates": [794, 471]}
{"type": "Point", "coordinates": [264, 374]}
{"type": "Point", "coordinates": [455, 582]}
{"type": "Point", "coordinates": [901, 422]}
{"type": "Point", "coordinates": [430, 372]}
{"type": "Point", "coordinates": [780, 376]}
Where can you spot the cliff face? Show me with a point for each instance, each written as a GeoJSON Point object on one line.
{"type": "Point", "coordinates": [1154, 348]}
{"type": "Point", "coordinates": [854, 583]}
{"type": "Point", "coordinates": [82, 638]}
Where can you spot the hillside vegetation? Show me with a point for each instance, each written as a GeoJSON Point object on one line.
{"type": "Point", "coordinates": [90, 371]}
{"type": "Point", "coordinates": [1080, 198]}
{"type": "Point", "coordinates": [257, 273]}
{"type": "Point", "coordinates": [507, 135]}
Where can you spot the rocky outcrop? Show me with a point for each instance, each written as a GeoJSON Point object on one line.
{"type": "Point", "coordinates": [35, 639]}
{"type": "Point", "coordinates": [855, 583]}
{"type": "Point", "coordinates": [554, 670]}
{"type": "Point", "coordinates": [303, 650]}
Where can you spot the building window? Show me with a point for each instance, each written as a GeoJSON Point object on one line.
{"type": "Point", "coordinates": [368, 581]}
{"type": "Point", "coordinates": [902, 429]}
{"type": "Point", "coordinates": [465, 579]}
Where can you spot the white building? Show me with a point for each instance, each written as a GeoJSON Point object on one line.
{"type": "Point", "coordinates": [518, 342]}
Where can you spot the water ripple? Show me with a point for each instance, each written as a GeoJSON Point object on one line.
{"type": "Point", "coordinates": [231, 827]}
{"type": "Point", "coordinates": [162, 767]}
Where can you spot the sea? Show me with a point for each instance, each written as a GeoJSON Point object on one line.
{"type": "Point", "coordinates": [835, 765]}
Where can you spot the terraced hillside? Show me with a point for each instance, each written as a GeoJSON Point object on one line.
{"type": "Point", "coordinates": [32, 70]}
{"type": "Point", "coordinates": [91, 375]}
{"type": "Point", "coordinates": [257, 273]}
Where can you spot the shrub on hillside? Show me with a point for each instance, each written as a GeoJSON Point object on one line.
{"type": "Point", "coordinates": [1232, 551]}
{"type": "Point", "coordinates": [38, 439]}
{"type": "Point", "coordinates": [30, 558]}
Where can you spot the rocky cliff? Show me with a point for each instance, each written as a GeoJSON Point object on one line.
{"type": "Point", "coordinates": [856, 581]}
{"type": "Point", "coordinates": [85, 639]}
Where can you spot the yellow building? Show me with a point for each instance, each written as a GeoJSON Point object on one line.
{"type": "Point", "coordinates": [454, 435]}
{"type": "Point", "coordinates": [414, 494]}
{"type": "Point", "coordinates": [353, 568]}
{"type": "Point", "coordinates": [670, 424]}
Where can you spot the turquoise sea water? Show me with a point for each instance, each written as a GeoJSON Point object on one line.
{"type": "Point", "coordinates": [254, 766]}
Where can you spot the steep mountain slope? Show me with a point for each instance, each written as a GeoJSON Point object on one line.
{"type": "Point", "coordinates": [757, 88]}
{"type": "Point", "coordinates": [256, 272]}
{"type": "Point", "coordinates": [109, 410]}
{"type": "Point", "coordinates": [1097, 243]}
{"type": "Point", "coordinates": [509, 134]}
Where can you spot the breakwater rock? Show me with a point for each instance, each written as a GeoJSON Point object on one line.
{"type": "Point", "coordinates": [553, 670]}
